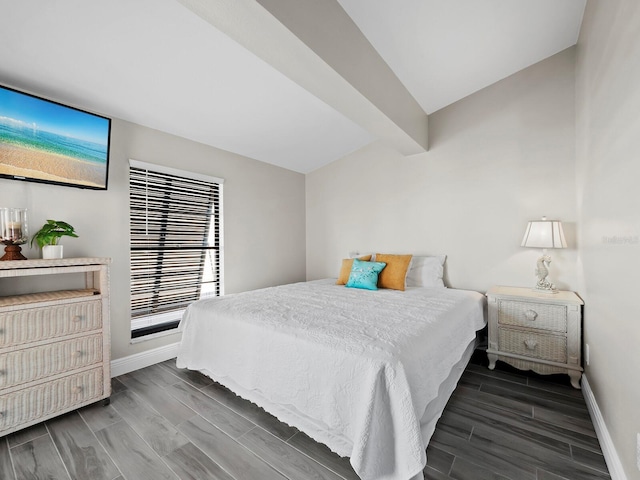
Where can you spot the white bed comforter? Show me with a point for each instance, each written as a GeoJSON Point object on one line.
{"type": "Point", "coordinates": [353, 369]}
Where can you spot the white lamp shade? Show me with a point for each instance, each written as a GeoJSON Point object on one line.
{"type": "Point", "coordinates": [544, 234]}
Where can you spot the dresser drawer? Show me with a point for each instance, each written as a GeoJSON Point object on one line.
{"type": "Point", "coordinates": [47, 399]}
{"type": "Point", "coordinates": [34, 324]}
{"type": "Point", "coordinates": [533, 315]}
{"type": "Point", "coordinates": [531, 344]}
{"type": "Point", "coordinates": [31, 364]}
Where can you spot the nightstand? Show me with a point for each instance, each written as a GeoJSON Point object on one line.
{"type": "Point", "coordinates": [536, 331]}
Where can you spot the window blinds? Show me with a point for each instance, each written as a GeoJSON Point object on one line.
{"type": "Point", "coordinates": [175, 239]}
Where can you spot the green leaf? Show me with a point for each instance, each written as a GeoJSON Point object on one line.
{"type": "Point", "coordinates": [51, 232]}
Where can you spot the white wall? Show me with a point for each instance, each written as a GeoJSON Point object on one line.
{"type": "Point", "coordinates": [608, 198]}
{"type": "Point", "coordinates": [498, 158]}
{"type": "Point", "coordinates": [264, 215]}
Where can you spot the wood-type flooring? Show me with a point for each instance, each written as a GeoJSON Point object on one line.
{"type": "Point", "coordinates": [166, 423]}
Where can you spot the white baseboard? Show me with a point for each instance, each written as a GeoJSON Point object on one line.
{"type": "Point", "coordinates": [606, 443]}
{"type": "Point", "coordinates": [140, 360]}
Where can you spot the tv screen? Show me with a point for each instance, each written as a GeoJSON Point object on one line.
{"type": "Point", "coordinates": [44, 141]}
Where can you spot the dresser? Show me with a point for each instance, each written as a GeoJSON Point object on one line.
{"type": "Point", "coordinates": [536, 331]}
{"type": "Point", "coordinates": [54, 344]}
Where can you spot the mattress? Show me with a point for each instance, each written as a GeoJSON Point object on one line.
{"type": "Point", "coordinates": [360, 371]}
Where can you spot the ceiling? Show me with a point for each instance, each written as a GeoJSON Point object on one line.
{"type": "Point", "coordinates": [157, 64]}
{"type": "Point", "coordinates": [444, 50]}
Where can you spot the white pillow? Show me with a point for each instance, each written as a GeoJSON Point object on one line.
{"type": "Point", "coordinates": [426, 271]}
{"type": "Point", "coordinates": [361, 254]}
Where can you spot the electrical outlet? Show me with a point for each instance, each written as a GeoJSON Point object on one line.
{"type": "Point", "coordinates": [586, 354]}
{"type": "Point", "coordinates": [638, 450]}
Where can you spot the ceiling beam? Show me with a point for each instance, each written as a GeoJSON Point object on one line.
{"type": "Point", "coordinates": [317, 45]}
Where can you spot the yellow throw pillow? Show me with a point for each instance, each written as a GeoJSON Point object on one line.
{"type": "Point", "coordinates": [394, 274]}
{"type": "Point", "coordinates": [345, 270]}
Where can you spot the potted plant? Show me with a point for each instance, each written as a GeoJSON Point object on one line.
{"type": "Point", "coordinates": [49, 236]}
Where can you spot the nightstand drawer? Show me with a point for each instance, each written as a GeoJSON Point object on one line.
{"type": "Point", "coordinates": [531, 344]}
{"type": "Point", "coordinates": [533, 315]}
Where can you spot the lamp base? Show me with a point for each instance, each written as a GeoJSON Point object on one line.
{"type": "Point", "coordinates": [12, 252]}
{"type": "Point", "coordinates": [545, 290]}
{"type": "Point", "coordinates": [543, 285]}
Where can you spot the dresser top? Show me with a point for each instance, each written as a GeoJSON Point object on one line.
{"type": "Point", "coordinates": [58, 262]}
{"type": "Point", "coordinates": [530, 294]}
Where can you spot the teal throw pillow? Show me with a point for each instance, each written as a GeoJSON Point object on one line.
{"type": "Point", "coordinates": [365, 274]}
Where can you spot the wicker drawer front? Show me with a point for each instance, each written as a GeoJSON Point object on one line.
{"type": "Point", "coordinates": [33, 324]}
{"type": "Point", "coordinates": [535, 345]}
{"type": "Point", "coordinates": [31, 364]}
{"type": "Point", "coordinates": [47, 399]}
{"type": "Point", "coordinates": [533, 315]}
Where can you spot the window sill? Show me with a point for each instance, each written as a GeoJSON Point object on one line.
{"type": "Point", "coordinates": [165, 333]}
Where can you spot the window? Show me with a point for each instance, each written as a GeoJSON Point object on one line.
{"type": "Point", "coordinates": [176, 244]}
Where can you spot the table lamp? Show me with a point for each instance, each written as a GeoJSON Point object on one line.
{"type": "Point", "coordinates": [544, 234]}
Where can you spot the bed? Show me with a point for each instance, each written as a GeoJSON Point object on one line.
{"type": "Point", "coordinates": [367, 373]}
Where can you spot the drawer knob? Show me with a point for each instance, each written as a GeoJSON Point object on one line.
{"type": "Point", "coordinates": [530, 344]}
{"type": "Point", "coordinates": [76, 390]}
{"type": "Point", "coordinates": [531, 315]}
{"type": "Point", "coordinates": [76, 319]}
{"type": "Point", "coordinates": [76, 354]}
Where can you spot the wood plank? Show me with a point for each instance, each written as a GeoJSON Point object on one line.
{"type": "Point", "coordinates": [38, 460]}
{"type": "Point", "coordinates": [250, 411]}
{"type": "Point", "coordinates": [482, 456]}
{"type": "Point", "coordinates": [226, 452]}
{"type": "Point", "coordinates": [455, 424]}
{"type": "Point", "coordinates": [160, 376]}
{"type": "Point", "coordinates": [192, 377]}
{"type": "Point", "coordinates": [533, 437]}
{"type": "Point", "coordinates": [589, 458]}
{"type": "Point", "coordinates": [498, 373]}
{"type": "Point", "coordinates": [544, 475]}
{"type": "Point", "coordinates": [515, 449]}
{"type": "Point", "coordinates": [133, 457]}
{"type": "Point", "coordinates": [222, 417]}
{"type": "Point", "coordinates": [433, 474]}
{"type": "Point", "coordinates": [439, 459]}
{"type": "Point", "coordinates": [477, 379]}
{"type": "Point", "coordinates": [322, 454]}
{"type": "Point", "coordinates": [284, 458]}
{"type": "Point", "coordinates": [568, 421]}
{"type": "Point", "coordinates": [562, 389]}
{"type": "Point", "coordinates": [83, 455]}
{"type": "Point", "coordinates": [191, 463]}
{"type": "Point", "coordinates": [117, 386]}
{"type": "Point", "coordinates": [464, 394]}
{"type": "Point", "coordinates": [464, 470]}
{"type": "Point", "coordinates": [487, 415]}
{"type": "Point", "coordinates": [560, 403]}
{"type": "Point", "coordinates": [99, 416]}
{"type": "Point", "coordinates": [145, 387]}
{"type": "Point", "coordinates": [26, 434]}
{"type": "Point", "coordinates": [6, 468]}
{"type": "Point", "coordinates": [156, 430]}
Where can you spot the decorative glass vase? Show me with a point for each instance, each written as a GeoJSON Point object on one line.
{"type": "Point", "coordinates": [13, 232]}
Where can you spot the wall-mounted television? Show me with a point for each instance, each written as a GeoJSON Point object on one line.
{"type": "Point", "coordinates": [47, 142]}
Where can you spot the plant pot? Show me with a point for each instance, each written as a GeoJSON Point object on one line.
{"type": "Point", "coordinates": [51, 251]}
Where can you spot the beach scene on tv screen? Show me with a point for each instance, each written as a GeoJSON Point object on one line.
{"type": "Point", "coordinates": [50, 142]}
